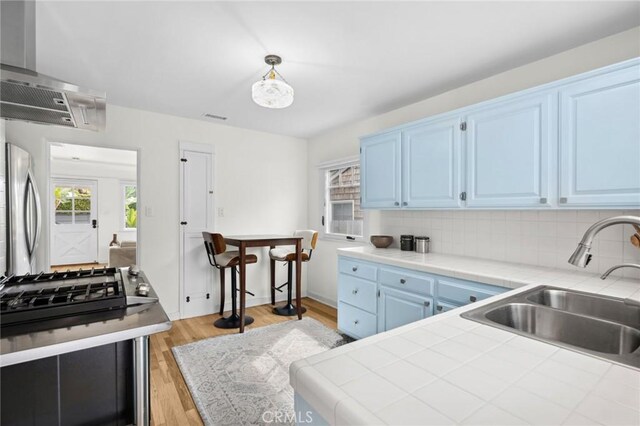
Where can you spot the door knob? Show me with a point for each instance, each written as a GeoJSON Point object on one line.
{"type": "Point", "coordinates": [402, 281]}
{"type": "Point", "coordinates": [355, 291]}
{"type": "Point", "coordinates": [354, 269]}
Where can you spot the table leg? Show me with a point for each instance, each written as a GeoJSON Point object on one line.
{"type": "Point", "coordinates": [299, 277]}
{"type": "Point", "coordinates": [243, 283]}
{"type": "Point", "coordinates": [273, 280]}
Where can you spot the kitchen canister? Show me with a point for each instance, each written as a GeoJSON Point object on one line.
{"type": "Point", "coordinates": [406, 242]}
{"type": "Point", "coordinates": [422, 244]}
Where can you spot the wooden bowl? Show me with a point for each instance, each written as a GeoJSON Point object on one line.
{"type": "Point", "coordinates": [381, 241]}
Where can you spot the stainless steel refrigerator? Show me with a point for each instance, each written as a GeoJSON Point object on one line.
{"type": "Point", "coordinates": [24, 217]}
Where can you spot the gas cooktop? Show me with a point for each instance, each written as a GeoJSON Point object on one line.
{"type": "Point", "coordinates": [37, 297]}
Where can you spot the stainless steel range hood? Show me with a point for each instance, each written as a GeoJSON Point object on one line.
{"type": "Point", "coordinates": [29, 96]}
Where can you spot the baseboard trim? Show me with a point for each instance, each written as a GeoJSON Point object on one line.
{"type": "Point", "coordinates": [251, 302]}
{"type": "Point", "coordinates": [173, 316]}
{"type": "Point", "coordinates": [323, 299]}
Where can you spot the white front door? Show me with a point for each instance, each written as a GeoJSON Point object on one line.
{"type": "Point", "coordinates": [74, 222]}
{"type": "Point", "coordinates": [196, 215]}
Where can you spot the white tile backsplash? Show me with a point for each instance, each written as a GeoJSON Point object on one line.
{"type": "Point", "coordinates": [542, 238]}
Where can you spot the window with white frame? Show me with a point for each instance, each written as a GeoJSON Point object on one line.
{"type": "Point", "coordinates": [130, 205]}
{"type": "Point", "coordinates": [342, 216]}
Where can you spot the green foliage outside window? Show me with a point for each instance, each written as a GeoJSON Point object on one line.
{"type": "Point", "coordinates": [130, 207]}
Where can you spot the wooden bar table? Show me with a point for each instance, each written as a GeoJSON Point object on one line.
{"type": "Point", "coordinates": [245, 241]}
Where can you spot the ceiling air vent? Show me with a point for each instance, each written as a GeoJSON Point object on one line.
{"type": "Point", "coordinates": [215, 117]}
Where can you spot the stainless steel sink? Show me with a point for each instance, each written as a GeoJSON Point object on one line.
{"type": "Point", "coordinates": [600, 326]}
{"type": "Point", "coordinates": [603, 307]}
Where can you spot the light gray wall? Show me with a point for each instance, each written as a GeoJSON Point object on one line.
{"type": "Point", "coordinates": [344, 142]}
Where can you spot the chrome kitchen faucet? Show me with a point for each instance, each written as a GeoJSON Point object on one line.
{"type": "Point", "coordinates": [581, 256]}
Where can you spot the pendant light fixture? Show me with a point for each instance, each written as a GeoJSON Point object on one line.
{"type": "Point", "coordinates": [271, 92]}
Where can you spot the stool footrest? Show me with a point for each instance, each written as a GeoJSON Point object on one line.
{"type": "Point", "coordinates": [246, 291]}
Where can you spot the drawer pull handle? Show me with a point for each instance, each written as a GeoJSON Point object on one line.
{"type": "Point", "coordinates": [354, 269]}
{"type": "Point", "coordinates": [355, 291]}
{"type": "Point", "coordinates": [356, 322]}
{"type": "Point", "coordinates": [427, 303]}
{"type": "Point", "coordinates": [473, 298]}
{"type": "Point", "coordinates": [402, 281]}
{"type": "Point", "coordinates": [439, 307]}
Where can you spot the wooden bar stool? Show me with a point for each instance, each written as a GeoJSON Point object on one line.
{"type": "Point", "coordinates": [286, 254]}
{"type": "Point", "coordinates": [222, 259]}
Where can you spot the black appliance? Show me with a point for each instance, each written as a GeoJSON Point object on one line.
{"type": "Point", "coordinates": [43, 296]}
{"type": "Point", "coordinates": [406, 242]}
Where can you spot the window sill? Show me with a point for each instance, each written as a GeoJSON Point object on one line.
{"type": "Point", "coordinates": [342, 239]}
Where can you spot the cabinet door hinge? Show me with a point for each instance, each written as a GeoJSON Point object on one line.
{"type": "Point", "coordinates": [463, 196]}
{"type": "Point", "coordinates": [184, 160]}
{"type": "Point", "coordinates": [378, 293]}
{"type": "Point", "coordinates": [183, 223]}
{"type": "Point", "coordinates": [208, 296]}
{"type": "Point", "coordinates": [188, 299]}
{"type": "Point", "coordinates": [360, 150]}
{"type": "Point", "coordinates": [463, 126]}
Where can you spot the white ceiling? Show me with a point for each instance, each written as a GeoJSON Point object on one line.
{"type": "Point", "coordinates": [63, 151]}
{"type": "Point", "coordinates": [345, 60]}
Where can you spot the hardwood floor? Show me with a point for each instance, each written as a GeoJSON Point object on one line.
{"type": "Point", "coordinates": [171, 402]}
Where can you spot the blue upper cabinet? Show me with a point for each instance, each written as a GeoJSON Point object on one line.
{"type": "Point", "coordinates": [600, 140]}
{"type": "Point", "coordinates": [380, 171]}
{"type": "Point", "coordinates": [432, 164]}
{"type": "Point", "coordinates": [571, 143]}
{"type": "Point", "coordinates": [509, 148]}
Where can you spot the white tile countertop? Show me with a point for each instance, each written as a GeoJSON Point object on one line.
{"type": "Point", "coordinates": [449, 370]}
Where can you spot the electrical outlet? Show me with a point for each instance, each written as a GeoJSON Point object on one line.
{"type": "Point", "coordinates": [148, 211]}
{"type": "Point", "coordinates": [220, 212]}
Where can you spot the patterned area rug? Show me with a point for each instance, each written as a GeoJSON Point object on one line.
{"type": "Point", "coordinates": [235, 379]}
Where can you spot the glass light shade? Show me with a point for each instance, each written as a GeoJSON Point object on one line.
{"type": "Point", "coordinates": [272, 93]}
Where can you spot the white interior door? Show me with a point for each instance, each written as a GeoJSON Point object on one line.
{"type": "Point", "coordinates": [196, 215]}
{"type": "Point", "coordinates": [74, 222]}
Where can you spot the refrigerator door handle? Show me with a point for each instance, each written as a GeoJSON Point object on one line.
{"type": "Point", "coordinates": [33, 235]}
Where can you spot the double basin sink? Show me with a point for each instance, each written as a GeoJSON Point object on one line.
{"type": "Point", "coordinates": [601, 326]}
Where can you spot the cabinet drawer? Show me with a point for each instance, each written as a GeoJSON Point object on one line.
{"type": "Point", "coordinates": [406, 280]}
{"type": "Point", "coordinates": [463, 292]}
{"type": "Point", "coordinates": [355, 322]}
{"type": "Point", "coordinates": [357, 292]}
{"type": "Point", "coordinates": [357, 269]}
{"type": "Point", "coordinates": [442, 307]}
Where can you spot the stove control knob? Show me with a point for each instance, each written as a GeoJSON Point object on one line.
{"type": "Point", "coordinates": [143, 289]}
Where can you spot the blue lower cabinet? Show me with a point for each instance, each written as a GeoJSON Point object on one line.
{"type": "Point", "coordinates": [376, 297]}
{"type": "Point", "coordinates": [356, 322]}
{"type": "Point", "coordinates": [442, 307]}
{"type": "Point", "coordinates": [397, 308]}
{"type": "Point", "coordinates": [462, 292]}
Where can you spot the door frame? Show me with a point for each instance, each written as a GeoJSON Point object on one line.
{"type": "Point", "coordinates": [54, 181]}
{"type": "Point", "coordinates": [184, 145]}
{"type": "Point", "coordinates": [47, 230]}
